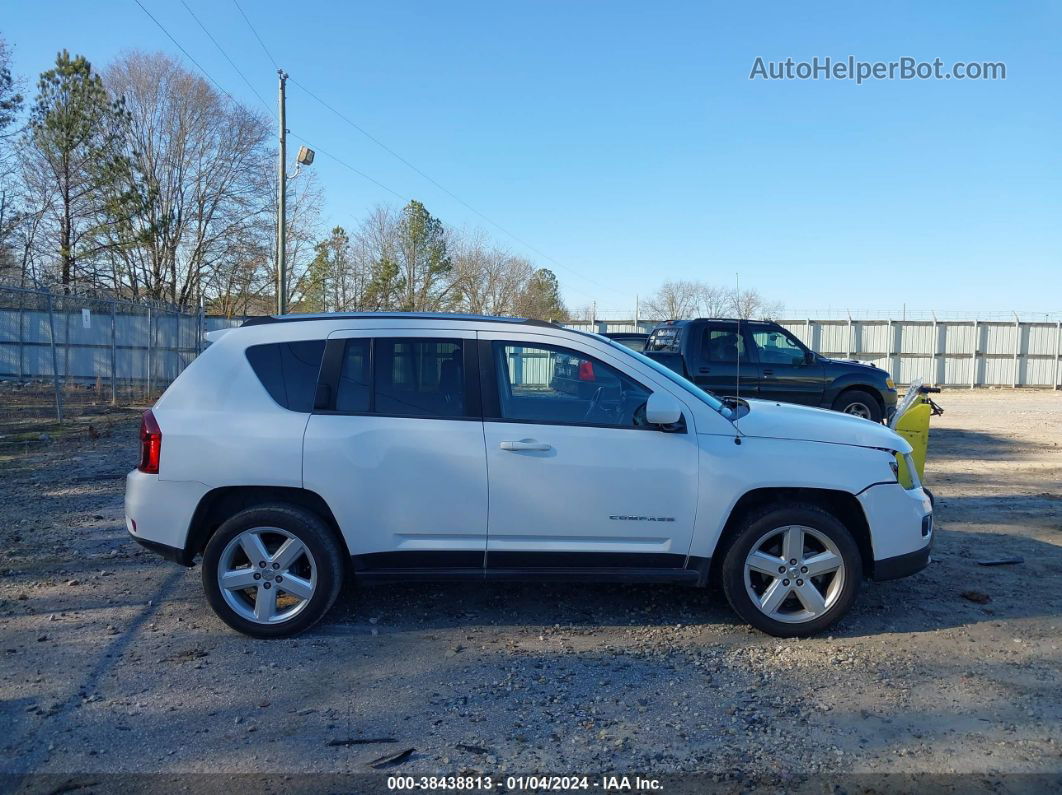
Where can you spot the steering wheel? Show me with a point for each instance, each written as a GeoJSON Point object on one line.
{"type": "Point", "coordinates": [594, 402]}
{"type": "Point", "coordinates": [639, 419]}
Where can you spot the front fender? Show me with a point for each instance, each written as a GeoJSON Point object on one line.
{"type": "Point", "coordinates": [835, 387]}
{"type": "Point", "coordinates": [728, 471]}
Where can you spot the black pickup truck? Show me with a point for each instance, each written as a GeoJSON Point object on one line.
{"type": "Point", "coordinates": [772, 364]}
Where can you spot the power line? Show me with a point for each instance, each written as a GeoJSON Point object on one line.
{"type": "Point", "coordinates": [361, 174]}
{"type": "Point", "coordinates": [419, 171]}
{"type": "Point", "coordinates": [187, 54]}
{"type": "Point", "coordinates": [222, 89]}
{"type": "Point", "coordinates": [448, 192]}
{"type": "Point", "coordinates": [227, 58]}
{"type": "Point", "coordinates": [364, 132]}
{"type": "Point", "coordinates": [265, 49]}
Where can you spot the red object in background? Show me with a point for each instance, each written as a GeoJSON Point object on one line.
{"type": "Point", "coordinates": [150, 444]}
{"type": "Point", "coordinates": [586, 370]}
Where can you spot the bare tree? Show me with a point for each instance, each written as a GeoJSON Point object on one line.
{"type": "Point", "coordinates": [488, 280]}
{"type": "Point", "coordinates": [203, 166]}
{"type": "Point", "coordinates": [304, 201]}
{"type": "Point", "coordinates": [10, 105]}
{"type": "Point", "coordinates": [714, 301]}
{"type": "Point", "coordinates": [374, 250]}
{"type": "Point", "coordinates": [675, 300]}
{"type": "Point", "coordinates": [749, 304]}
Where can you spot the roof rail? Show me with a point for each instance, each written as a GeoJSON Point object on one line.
{"type": "Point", "coordinates": [262, 320]}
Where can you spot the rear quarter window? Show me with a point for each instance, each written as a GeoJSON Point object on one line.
{"type": "Point", "coordinates": [663, 339]}
{"type": "Point", "coordinates": [288, 371]}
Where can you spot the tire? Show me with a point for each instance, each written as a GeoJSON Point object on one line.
{"type": "Point", "coordinates": [859, 404]}
{"type": "Point", "coordinates": [767, 531]}
{"type": "Point", "coordinates": [298, 551]}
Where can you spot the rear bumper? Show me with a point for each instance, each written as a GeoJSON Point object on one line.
{"type": "Point", "coordinates": [172, 554]}
{"type": "Point", "coordinates": [158, 513]}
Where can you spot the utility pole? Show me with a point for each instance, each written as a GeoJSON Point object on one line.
{"type": "Point", "coordinates": [282, 179]}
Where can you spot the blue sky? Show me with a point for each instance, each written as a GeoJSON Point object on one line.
{"type": "Point", "coordinates": [626, 142]}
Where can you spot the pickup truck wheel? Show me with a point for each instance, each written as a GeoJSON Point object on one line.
{"type": "Point", "coordinates": [859, 404]}
{"type": "Point", "coordinates": [272, 571]}
{"type": "Point", "coordinates": [792, 570]}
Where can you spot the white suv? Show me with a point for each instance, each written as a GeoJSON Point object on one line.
{"type": "Point", "coordinates": [298, 450]}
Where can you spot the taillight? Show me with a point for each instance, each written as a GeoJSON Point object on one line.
{"type": "Point", "coordinates": [586, 370]}
{"type": "Point", "coordinates": [150, 444]}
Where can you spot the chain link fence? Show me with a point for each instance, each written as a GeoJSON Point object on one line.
{"type": "Point", "coordinates": [65, 356]}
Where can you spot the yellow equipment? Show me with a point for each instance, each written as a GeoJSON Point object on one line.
{"type": "Point", "coordinates": [911, 421]}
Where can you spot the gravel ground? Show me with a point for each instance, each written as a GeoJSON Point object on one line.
{"type": "Point", "coordinates": [111, 661]}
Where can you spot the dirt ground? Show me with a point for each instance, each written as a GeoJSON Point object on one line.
{"type": "Point", "coordinates": [111, 661]}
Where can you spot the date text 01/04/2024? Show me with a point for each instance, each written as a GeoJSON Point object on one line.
{"type": "Point", "coordinates": [536, 783]}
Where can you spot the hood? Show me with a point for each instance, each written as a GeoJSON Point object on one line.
{"type": "Point", "coordinates": [772, 420]}
{"type": "Point", "coordinates": [854, 363]}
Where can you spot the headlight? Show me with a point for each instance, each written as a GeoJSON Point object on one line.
{"type": "Point", "coordinates": [890, 384]}
{"type": "Point", "coordinates": [904, 468]}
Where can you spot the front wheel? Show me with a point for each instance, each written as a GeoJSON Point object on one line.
{"type": "Point", "coordinates": [272, 571]}
{"type": "Point", "coordinates": [793, 570]}
{"type": "Point", "coordinates": [859, 404]}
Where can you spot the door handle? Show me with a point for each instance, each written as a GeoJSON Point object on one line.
{"type": "Point", "coordinates": [705, 370]}
{"type": "Point", "coordinates": [768, 372]}
{"type": "Point", "coordinates": [525, 444]}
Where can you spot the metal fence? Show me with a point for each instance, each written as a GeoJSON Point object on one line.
{"type": "Point", "coordinates": [956, 353]}
{"type": "Point", "coordinates": [64, 355]}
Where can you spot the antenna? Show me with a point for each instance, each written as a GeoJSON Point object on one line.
{"type": "Point", "coordinates": [737, 367]}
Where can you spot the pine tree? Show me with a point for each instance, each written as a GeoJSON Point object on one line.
{"type": "Point", "coordinates": [424, 260]}
{"type": "Point", "coordinates": [76, 132]}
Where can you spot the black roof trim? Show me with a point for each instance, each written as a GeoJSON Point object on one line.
{"type": "Point", "coordinates": [262, 320]}
{"type": "Point", "coordinates": [685, 321]}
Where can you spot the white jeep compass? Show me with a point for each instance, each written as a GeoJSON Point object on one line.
{"type": "Point", "coordinates": [298, 450]}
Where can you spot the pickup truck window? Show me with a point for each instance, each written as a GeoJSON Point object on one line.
{"type": "Point", "coordinates": [724, 345]}
{"type": "Point", "coordinates": [690, 387]}
{"type": "Point", "coordinates": [663, 339]}
{"type": "Point", "coordinates": [774, 347]}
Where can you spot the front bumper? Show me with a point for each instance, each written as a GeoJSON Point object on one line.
{"type": "Point", "coordinates": [901, 529]}
{"type": "Point", "coordinates": [902, 565]}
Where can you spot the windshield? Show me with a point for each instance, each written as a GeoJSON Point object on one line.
{"type": "Point", "coordinates": [675, 378]}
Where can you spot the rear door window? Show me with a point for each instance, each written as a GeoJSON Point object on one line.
{"type": "Point", "coordinates": [724, 344]}
{"type": "Point", "coordinates": [354, 389]}
{"type": "Point", "coordinates": [288, 371]}
{"type": "Point", "coordinates": [418, 377]}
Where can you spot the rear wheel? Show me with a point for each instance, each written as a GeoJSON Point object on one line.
{"type": "Point", "coordinates": [272, 571]}
{"type": "Point", "coordinates": [792, 570]}
{"type": "Point", "coordinates": [859, 404]}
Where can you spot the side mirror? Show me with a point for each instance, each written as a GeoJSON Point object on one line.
{"type": "Point", "coordinates": [662, 409]}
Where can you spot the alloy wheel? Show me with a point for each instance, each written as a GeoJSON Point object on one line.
{"type": "Point", "coordinates": [267, 575]}
{"type": "Point", "coordinates": [794, 574]}
{"type": "Point", "coordinates": [858, 409]}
